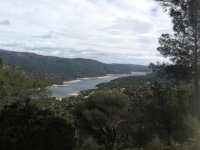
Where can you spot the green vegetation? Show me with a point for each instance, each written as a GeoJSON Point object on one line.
{"type": "Point", "coordinates": [15, 85]}
{"type": "Point", "coordinates": [24, 126]}
{"type": "Point", "coordinates": [57, 70]}
{"type": "Point", "coordinates": [100, 115]}
{"type": "Point", "coordinates": [129, 81]}
{"type": "Point", "coordinates": [149, 113]}
{"type": "Point", "coordinates": [159, 111]}
{"type": "Point", "coordinates": [183, 46]}
{"type": "Point", "coordinates": [153, 115]}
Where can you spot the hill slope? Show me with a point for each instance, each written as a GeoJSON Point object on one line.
{"type": "Point", "coordinates": [57, 69]}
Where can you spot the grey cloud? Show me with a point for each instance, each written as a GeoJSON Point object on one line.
{"type": "Point", "coordinates": [72, 50]}
{"type": "Point", "coordinates": [91, 29]}
{"type": "Point", "coordinates": [5, 22]}
{"type": "Point", "coordinates": [146, 40]}
{"type": "Point", "coordinates": [50, 35]}
{"type": "Point", "coordinates": [128, 25]}
{"type": "Point", "coordinates": [45, 36]}
{"type": "Point", "coordinates": [88, 52]}
{"type": "Point", "coordinates": [10, 44]}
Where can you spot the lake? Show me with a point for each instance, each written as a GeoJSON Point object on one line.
{"type": "Point", "coordinates": [72, 88]}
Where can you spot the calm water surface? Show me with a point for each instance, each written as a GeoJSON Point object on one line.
{"type": "Point", "coordinates": [72, 88]}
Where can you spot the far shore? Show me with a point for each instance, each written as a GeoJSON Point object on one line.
{"type": "Point", "coordinates": [65, 83]}
{"type": "Point", "coordinates": [76, 80]}
{"type": "Point", "coordinates": [72, 81]}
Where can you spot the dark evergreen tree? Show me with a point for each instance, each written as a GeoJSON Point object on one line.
{"type": "Point", "coordinates": [101, 114]}
{"type": "Point", "coordinates": [183, 47]}
{"type": "Point", "coordinates": [25, 127]}
{"type": "Point", "coordinates": [166, 111]}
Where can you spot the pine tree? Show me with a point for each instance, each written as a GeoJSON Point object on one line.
{"type": "Point", "coordinates": [183, 47]}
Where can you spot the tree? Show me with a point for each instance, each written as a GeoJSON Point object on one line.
{"type": "Point", "coordinates": [1, 61]}
{"type": "Point", "coordinates": [133, 130]}
{"type": "Point", "coordinates": [25, 127]}
{"type": "Point", "coordinates": [16, 85]}
{"type": "Point", "coordinates": [167, 110]}
{"type": "Point", "coordinates": [183, 47]}
{"type": "Point", "coordinates": [100, 115]}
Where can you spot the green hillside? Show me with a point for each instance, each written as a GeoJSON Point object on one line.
{"type": "Point", "coordinates": [57, 70]}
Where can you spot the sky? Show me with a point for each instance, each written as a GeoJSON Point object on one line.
{"type": "Point", "coordinates": [111, 31]}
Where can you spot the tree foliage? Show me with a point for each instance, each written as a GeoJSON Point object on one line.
{"type": "Point", "coordinates": [16, 85]}
{"type": "Point", "coordinates": [100, 115]}
{"type": "Point", "coordinates": [183, 47]}
{"type": "Point", "coordinates": [24, 126]}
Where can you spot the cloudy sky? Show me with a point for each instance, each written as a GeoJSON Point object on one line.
{"type": "Point", "coordinates": [111, 31]}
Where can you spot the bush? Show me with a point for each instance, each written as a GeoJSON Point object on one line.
{"type": "Point", "coordinates": [91, 144]}
{"type": "Point", "coordinates": [25, 127]}
{"type": "Point", "coordinates": [155, 144]}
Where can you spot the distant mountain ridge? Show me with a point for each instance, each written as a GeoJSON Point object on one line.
{"type": "Point", "coordinates": [57, 70]}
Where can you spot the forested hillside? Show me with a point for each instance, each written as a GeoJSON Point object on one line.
{"type": "Point", "coordinates": [158, 111]}
{"type": "Point", "coordinates": [57, 69]}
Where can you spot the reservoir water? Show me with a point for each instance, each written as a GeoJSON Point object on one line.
{"type": "Point", "coordinates": [72, 88]}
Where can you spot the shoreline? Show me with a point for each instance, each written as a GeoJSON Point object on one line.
{"type": "Point", "coordinates": [71, 81]}
{"type": "Point", "coordinates": [68, 83]}
{"type": "Point", "coordinates": [65, 83]}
